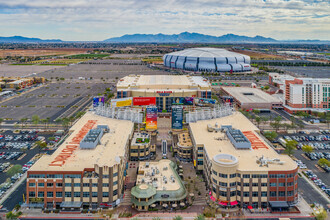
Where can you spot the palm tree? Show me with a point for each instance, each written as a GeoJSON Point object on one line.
{"type": "Point", "coordinates": [41, 145]}
{"type": "Point", "coordinates": [200, 217]}
{"type": "Point", "coordinates": [65, 123]}
{"type": "Point", "coordinates": [258, 120]}
{"type": "Point", "coordinates": [35, 119]}
{"type": "Point", "coordinates": [23, 121]}
{"type": "Point", "coordinates": [178, 217]}
{"type": "Point", "coordinates": [1, 120]}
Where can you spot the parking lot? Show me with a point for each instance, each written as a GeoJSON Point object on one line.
{"type": "Point", "coordinates": [51, 100]}
{"type": "Point", "coordinates": [17, 149]}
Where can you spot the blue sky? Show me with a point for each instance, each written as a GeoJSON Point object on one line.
{"type": "Point", "coordinates": [101, 19]}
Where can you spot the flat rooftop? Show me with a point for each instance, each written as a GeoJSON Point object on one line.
{"type": "Point", "coordinates": [105, 154]}
{"type": "Point", "coordinates": [184, 140]}
{"type": "Point", "coordinates": [140, 139]}
{"type": "Point", "coordinates": [157, 180]}
{"type": "Point", "coordinates": [218, 143]}
{"type": "Point", "coordinates": [162, 82]}
{"type": "Point", "coordinates": [250, 95]}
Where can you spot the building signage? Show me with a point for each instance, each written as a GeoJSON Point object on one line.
{"type": "Point", "coordinates": [144, 101]}
{"type": "Point", "coordinates": [177, 117]}
{"type": "Point", "coordinates": [121, 102]}
{"type": "Point", "coordinates": [97, 101]}
{"type": "Point", "coordinates": [183, 101]}
{"type": "Point", "coordinates": [68, 150]}
{"type": "Point", "coordinates": [151, 118]}
{"type": "Point", "coordinates": [164, 92]}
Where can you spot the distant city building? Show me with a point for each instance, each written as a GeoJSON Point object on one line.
{"type": "Point", "coordinates": [207, 59]}
{"type": "Point", "coordinates": [303, 94]}
{"type": "Point", "coordinates": [251, 98]}
{"type": "Point", "coordinates": [163, 90]}
{"type": "Point", "coordinates": [240, 168]}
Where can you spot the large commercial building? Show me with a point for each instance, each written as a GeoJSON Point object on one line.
{"type": "Point", "coordinates": [304, 94]}
{"type": "Point", "coordinates": [207, 59]}
{"type": "Point", "coordinates": [167, 89]}
{"type": "Point", "coordinates": [87, 170]}
{"type": "Point", "coordinates": [247, 98]}
{"type": "Point", "coordinates": [240, 168]}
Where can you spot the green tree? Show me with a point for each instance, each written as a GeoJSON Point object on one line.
{"type": "Point", "coordinates": [200, 217]}
{"type": "Point", "coordinates": [35, 119]}
{"type": "Point", "coordinates": [51, 138]}
{"type": "Point", "coordinates": [79, 114]}
{"type": "Point", "coordinates": [258, 120]}
{"type": "Point", "coordinates": [41, 145]}
{"type": "Point", "coordinates": [1, 121]}
{"type": "Point", "coordinates": [23, 121]}
{"type": "Point", "coordinates": [322, 162]}
{"type": "Point", "coordinates": [178, 217]}
{"type": "Point", "coordinates": [290, 146]}
{"type": "Point", "coordinates": [307, 149]}
{"type": "Point", "coordinates": [65, 123]}
{"type": "Point", "coordinates": [17, 168]}
{"type": "Point", "coordinates": [322, 215]}
{"type": "Point", "coordinates": [270, 135]}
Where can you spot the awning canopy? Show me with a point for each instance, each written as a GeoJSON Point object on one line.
{"type": "Point", "coordinates": [223, 203]}
{"type": "Point", "coordinates": [71, 204]}
{"type": "Point", "coordinates": [233, 203]}
{"type": "Point", "coordinates": [278, 204]}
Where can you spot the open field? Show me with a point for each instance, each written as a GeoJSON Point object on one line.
{"type": "Point", "coordinates": [41, 52]}
{"type": "Point", "coordinates": [259, 56]}
{"type": "Point", "coordinates": [51, 100]}
{"type": "Point", "coordinates": [8, 70]}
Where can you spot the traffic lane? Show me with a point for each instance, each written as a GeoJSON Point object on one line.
{"type": "Point", "coordinates": [16, 197]}
{"type": "Point", "coordinates": [309, 193]}
{"type": "Point", "coordinates": [324, 176]}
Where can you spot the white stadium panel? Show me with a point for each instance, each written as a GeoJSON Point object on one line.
{"type": "Point", "coordinates": [246, 67]}
{"type": "Point", "coordinates": [172, 62]}
{"type": "Point", "coordinates": [180, 62]}
{"type": "Point", "coordinates": [247, 59]}
{"type": "Point", "coordinates": [231, 60]}
{"type": "Point", "coordinates": [223, 67]}
{"type": "Point", "coordinates": [240, 59]}
{"type": "Point", "coordinates": [191, 63]}
{"type": "Point", "coordinates": [206, 64]}
{"type": "Point", "coordinates": [167, 60]}
{"type": "Point", "coordinates": [237, 67]}
{"type": "Point", "coordinates": [221, 60]}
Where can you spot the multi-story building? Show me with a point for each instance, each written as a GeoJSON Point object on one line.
{"type": "Point", "coordinates": [240, 168]}
{"type": "Point", "coordinates": [88, 168]}
{"type": "Point", "coordinates": [140, 148]}
{"type": "Point", "coordinates": [304, 94]}
{"type": "Point", "coordinates": [167, 89]}
{"type": "Point", "coordinates": [183, 147]}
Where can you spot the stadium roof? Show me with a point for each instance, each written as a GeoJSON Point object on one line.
{"type": "Point", "coordinates": [206, 52]}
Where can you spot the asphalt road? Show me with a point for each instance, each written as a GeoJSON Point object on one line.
{"type": "Point", "coordinates": [309, 193]}
{"type": "Point", "coordinates": [16, 197]}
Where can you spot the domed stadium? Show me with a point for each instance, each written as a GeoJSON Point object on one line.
{"type": "Point", "coordinates": [207, 59]}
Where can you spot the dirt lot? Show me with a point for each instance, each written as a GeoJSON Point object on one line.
{"type": "Point", "coordinates": [24, 70]}
{"type": "Point", "coordinates": [41, 52]}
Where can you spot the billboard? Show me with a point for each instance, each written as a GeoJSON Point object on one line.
{"type": "Point", "coordinates": [151, 118]}
{"type": "Point", "coordinates": [182, 101]}
{"type": "Point", "coordinates": [121, 102]}
{"type": "Point", "coordinates": [144, 101]}
{"type": "Point", "coordinates": [203, 101]}
{"type": "Point", "coordinates": [177, 117]}
{"type": "Point", "coordinates": [98, 100]}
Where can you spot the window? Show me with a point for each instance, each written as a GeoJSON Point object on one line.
{"type": "Point", "coordinates": [255, 194]}
{"type": "Point", "coordinates": [290, 175]}
{"type": "Point", "coordinates": [37, 176]}
{"type": "Point", "coordinates": [222, 184]}
{"type": "Point", "coordinates": [72, 176]}
{"type": "Point", "coordinates": [105, 194]}
{"type": "Point", "coordinates": [56, 176]}
{"type": "Point", "coordinates": [289, 183]}
{"type": "Point", "coordinates": [233, 184]}
{"type": "Point", "coordinates": [106, 176]}
{"type": "Point", "coordinates": [32, 184]}
{"type": "Point", "coordinates": [290, 193]}
{"type": "Point", "coordinates": [272, 184]}
{"type": "Point", "coordinates": [272, 175]}
{"type": "Point", "coordinates": [85, 194]}
{"type": "Point", "coordinates": [238, 175]}
{"type": "Point", "coordinates": [199, 155]}
{"type": "Point", "coordinates": [263, 176]}
{"type": "Point", "coordinates": [214, 181]}
{"type": "Point", "coordinates": [238, 183]}
{"type": "Point", "coordinates": [50, 184]}
{"type": "Point", "coordinates": [281, 176]}
{"type": "Point", "coordinates": [246, 175]}
{"type": "Point", "coordinates": [41, 184]}
{"type": "Point", "coordinates": [215, 172]}
{"type": "Point", "coordinates": [238, 193]}
{"type": "Point", "coordinates": [67, 184]}
{"type": "Point", "coordinates": [94, 184]}
{"type": "Point", "coordinates": [32, 194]}
{"type": "Point", "coordinates": [263, 184]}
{"type": "Point", "coordinates": [85, 184]}
{"type": "Point", "coordinates": [94, 194]}
{"type": "Point", "coordinates": [214, 189]}
{"type": "Point", "coordinates": [263, 194]}
{"type": "Point", "coordinates": [41, 194]}
{"type": "Point", "coordinates": [67, 194]}
{"type": "Point", "coordinates": [246, 184]}
{"type": "Point", "coordinates": [223, 175]}
{"type": "Point", "coordinates": [246, 194]}
{"type": "Point", "coordinates": [233, 193]}
{"type": "Point", "coordinates": [105, 184]}
{"type": "Point", "coordinates": [232, 175]}
{"type": "Point", "coordinates": [254, 184]}
{"type": "Point", "coordinates": [115, 183]}
{"type": "Point", "coordinates": [200, 148]}
{"type": "Point", "coordinates": [59, 184]}
{"type": "Point", "coordinates": [255, 175]}
{"type": "Point", "coordinates": [115, 192]}
{"type": "Point", "coordinates": [223, 193]}
{"type": "Point", "coordinates": [59, 194]}
{"type": "Point", "coordinates": [115, 174]}
{"type": "Point", "coordinates": [50, 194]}
{"type": "Point", "coordinates": [281, 184]}
{"type": "Point", "coordinates": [272, 193]}
{"type": "Point", "coordinates": [281, 193]}
{"type": "Point", "coordinates": [76, 184]}
{"type": "Point", "coordinates": [200, 162]}
{"type": "Point", "coordinates": [76, 194]}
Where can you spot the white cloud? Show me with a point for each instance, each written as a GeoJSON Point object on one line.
{"type": "Point", "coordinates": [101, 19]}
